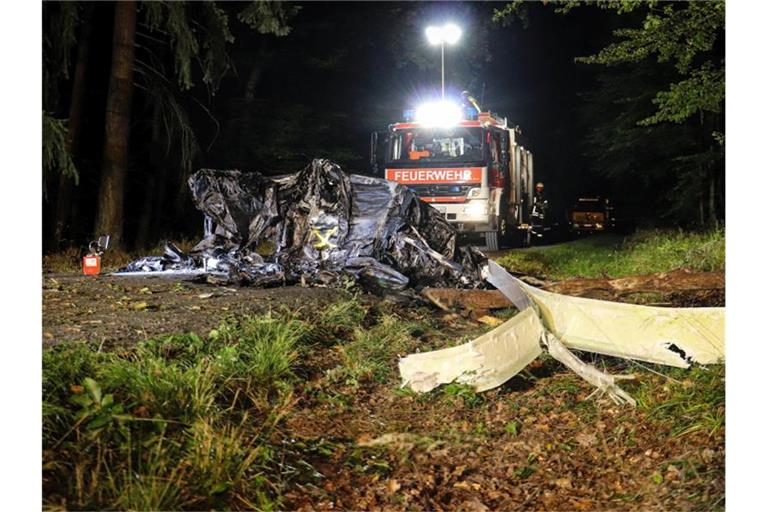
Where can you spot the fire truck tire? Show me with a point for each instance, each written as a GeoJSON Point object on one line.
{"type": "Point", "coordinates": [491, 240]}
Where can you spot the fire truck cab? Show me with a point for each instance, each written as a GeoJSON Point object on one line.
{"type": "Point", "coordinates": [474, 170]}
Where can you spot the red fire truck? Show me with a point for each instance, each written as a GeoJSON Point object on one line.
{"type": "Point", "coordinates": [470, 165]}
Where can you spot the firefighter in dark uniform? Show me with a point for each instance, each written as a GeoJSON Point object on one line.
{"type": "Point", "coordinates": [540, 205]}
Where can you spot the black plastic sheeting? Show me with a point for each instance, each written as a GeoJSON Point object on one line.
{"type": "Point", "coordinates": [319, 226]}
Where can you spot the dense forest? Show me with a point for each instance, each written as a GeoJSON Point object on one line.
{"type": "Point", "coordinates": [626, 101]}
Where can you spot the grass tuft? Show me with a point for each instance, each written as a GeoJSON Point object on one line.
{"type": "Point", "coordinates": [613, 256]}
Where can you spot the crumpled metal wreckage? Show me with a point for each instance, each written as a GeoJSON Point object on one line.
{"type": "Point", "coordinates": [559, 323]}
{"type": "Point", "coordinates": [318, 226]}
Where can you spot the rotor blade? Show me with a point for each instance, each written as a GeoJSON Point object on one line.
{"type": "Point", "coordinates": [506, 284]}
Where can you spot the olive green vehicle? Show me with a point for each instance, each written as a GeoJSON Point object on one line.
{"type": "Point", "coordinates": [592, 214]}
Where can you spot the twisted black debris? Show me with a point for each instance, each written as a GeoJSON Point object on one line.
{"type": "Point", "coordinates": [319, 226]}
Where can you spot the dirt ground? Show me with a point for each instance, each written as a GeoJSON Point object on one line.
{"type": "Point", "coordinates": [539, 442]}
{"type": "Point", "coordinates": [113, 310]}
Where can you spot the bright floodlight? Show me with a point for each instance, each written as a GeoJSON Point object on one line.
{"type": "Point", "coordinates": [438, 113]}
{"type": "Point", "coordinates": [451, 33]}
{"type": "Point", "coordinates": [434, 35]}
{"type": "Point", "coordinates": [448, 33]}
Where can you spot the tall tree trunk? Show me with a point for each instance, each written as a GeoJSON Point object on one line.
{"type": "Point", "coordinates": [154, 194]}
{"type": "Point", "coordinates": [66, 183]}
{"type": "Point", "coordinates": [712, 205]}
{"type": "Point", "coordinates": [109, 216]}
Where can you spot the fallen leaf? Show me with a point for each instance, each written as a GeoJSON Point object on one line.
{"type": "Point", "coordinates": [490, 320]}
{"type": "Point", "coordinates": [205, 295]}
{"type": "Point", "coordinates": [475, 505]}
{"type": "Point", "coordinates": [586, 439]}
{"type": "Point", "coordinates": [395, 439]}
{"type": "Point", "coordinates": [471, 486]}
{"type": "Point", "coordinates": [139, 306]}
{"type": "Point", "coordinates": [393, 486]}
{"type": "Point", "coordinates": [564, 483]}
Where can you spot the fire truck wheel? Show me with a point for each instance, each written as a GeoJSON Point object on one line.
{"type": "Point", "coordinates": [491, 240]}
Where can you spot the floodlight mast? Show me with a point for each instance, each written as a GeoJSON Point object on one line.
{"type": "Point", "coordinates": [442, 70]}
{"type": "Point", "coordinates": [448, 33]}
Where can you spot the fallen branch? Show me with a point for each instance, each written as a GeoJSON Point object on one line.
{"type": "Point", "coordinates": [660, 282]}
{"type": "Point", "coordinates": [679, 281]}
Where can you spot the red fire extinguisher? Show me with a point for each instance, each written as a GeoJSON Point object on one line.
{"type": "Point", "coordinates": [92, 260]}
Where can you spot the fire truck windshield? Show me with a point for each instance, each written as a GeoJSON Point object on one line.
{"type": "Point", "coordinates": [414, 146]}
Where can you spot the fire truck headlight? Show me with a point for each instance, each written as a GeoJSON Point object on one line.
{"type": "Point", "coordinates": [438, 113]}
{"type": "Point", "coordinates": [474, 192]}
{"type": "Point", "coordinates": [476, 209]}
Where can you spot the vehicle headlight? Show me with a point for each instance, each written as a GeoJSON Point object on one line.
{"type": "Point", "coordinates": [476, 209]}
{"type": "Point", "coordinates": [474, 192]}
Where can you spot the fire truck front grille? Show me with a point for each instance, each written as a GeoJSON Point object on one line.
{"type": "Point", "coordinates": [441, 190]}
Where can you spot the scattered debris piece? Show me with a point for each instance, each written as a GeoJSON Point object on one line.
{"type": "Point", "coordinates": [671, 336]}
{"type": "Point", "coordinates": [485, 362]}
{"type": "Point", "coordinates": [319, 226]}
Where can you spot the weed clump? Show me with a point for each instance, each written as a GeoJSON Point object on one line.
{"type": "Point", "coordinates": [371, 353]}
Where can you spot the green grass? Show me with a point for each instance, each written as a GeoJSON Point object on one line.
{"type": "Point", "coordinates": [372, 352]}
{"type": "Point", "coordinates": [177, 421]}
{"type": "Point", "coordinates": [613, 256]}
{"type": "Point", "coordinates": [691, 400]}
{"type": "Point", "coordinates": [194, 422]}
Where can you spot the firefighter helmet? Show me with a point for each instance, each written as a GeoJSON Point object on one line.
{"type": "Point", "coordinates": [539, 185]}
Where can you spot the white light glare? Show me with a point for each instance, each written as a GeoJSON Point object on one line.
{"type": "Point", "coordinates": [476, 209]}
{"type": "Point", "coordinates": [438, 113]}
{"type": "Point", "coordinates": [448, 33]}
{"type": "Point", "coordinates": [434, 35]}
{"type": "Point", "coordinates": [451, 33]}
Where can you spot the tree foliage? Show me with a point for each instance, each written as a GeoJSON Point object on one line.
{"type": "Point", "coordinates": [653, 123]}
{"type": "Point", "coordinates": [56, 158]}
{"type": "Point", "coordinates": [200, 32]}
{"type": "Point", "coordinates": [60, 24]}
{"type": "Point", "coordinates": [682, 33]}
{"type": "Point", "coordinates": [178, 45]}
{"type": "Point", "coordinates": [269, 17]}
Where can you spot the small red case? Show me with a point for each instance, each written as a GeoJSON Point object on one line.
{"type": "Point", "coordinates": [91, 264]}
